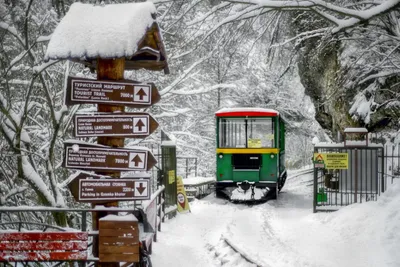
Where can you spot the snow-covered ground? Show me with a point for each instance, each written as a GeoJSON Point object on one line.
{"type": "Point", "coordinates": [283, 232]}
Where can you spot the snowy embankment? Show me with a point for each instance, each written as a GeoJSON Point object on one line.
{"type": "Point", "coordinates": [284, 232]}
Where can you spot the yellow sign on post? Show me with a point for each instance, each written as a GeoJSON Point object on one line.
{"type": "Point", "coordinates": [332, 161]}
{"type": "Point", "coordinates": [171, 176]}
{"type": "Point", "coordinates": [183, 203]}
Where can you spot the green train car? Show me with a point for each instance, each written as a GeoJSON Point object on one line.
{"type": "Point", "coordinates": [250, 153]}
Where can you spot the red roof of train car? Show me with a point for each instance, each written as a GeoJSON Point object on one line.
{"type": "Point", "coordinates": [243, 112]}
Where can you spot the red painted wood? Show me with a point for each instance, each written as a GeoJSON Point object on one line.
{"type": "Point", "coordinates": [42, 256]}
{"type": "Point", "coordinates": [43, 245]}
{"type": "Point", "coordinates": [55, 236]}
{"type": "Point", "coordinates": [247, 113]}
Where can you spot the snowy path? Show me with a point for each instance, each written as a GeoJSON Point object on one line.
{"type": "Point", "coordinates": [280, 233]}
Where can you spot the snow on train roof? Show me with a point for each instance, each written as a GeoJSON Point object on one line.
{"type": "Point", "coordinates": [255, 112]}
{"type": "Point", "coordinates": [106, 31]}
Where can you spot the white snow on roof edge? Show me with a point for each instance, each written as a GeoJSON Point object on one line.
{"type": "Point", "coordinates": [355, 130]}
{"type": "Point", "coordinates": [113, 217]}
{"type": "Point", "coordinates": [106, 31]}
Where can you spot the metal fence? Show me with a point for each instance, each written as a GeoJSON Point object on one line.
{"type": "Point", "coordinates": [392, 162]}
{"type": "Point", "coordinates": [363, 180]}
{"type": "Point", "coordinates": [186, 166]}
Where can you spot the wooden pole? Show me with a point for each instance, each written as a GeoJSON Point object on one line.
{"type": "Point", "coordinates": [108, 69]}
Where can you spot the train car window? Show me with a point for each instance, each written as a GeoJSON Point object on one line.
{"type": "Point", "coordinates": [260, 132]}
{"type": "Point", "coordinates": [232, 133]}
{"type": "Point", "coordinates": [246, 133]}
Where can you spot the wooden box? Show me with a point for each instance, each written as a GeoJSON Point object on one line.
{"type": "Point", "coordinates": [119, 239]}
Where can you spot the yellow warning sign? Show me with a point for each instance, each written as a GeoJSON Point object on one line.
{"type": "Point", "coordinates": [332, 161]}
{"type": "Point", "coordinates": [183, 203]}
{"type": "Point", "coordinates": [337, 161]}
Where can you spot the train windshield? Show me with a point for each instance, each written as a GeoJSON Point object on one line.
{"type": "Point", "coordinates": [246, 132]}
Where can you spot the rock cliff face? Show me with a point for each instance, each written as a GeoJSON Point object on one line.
{"type": "Point", "coordinates": [319, 71]}
{"type": "Point", "coordinates": [338, 105]}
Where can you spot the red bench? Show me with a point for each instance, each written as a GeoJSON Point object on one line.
{"type": "Point", "coordinates": [43, 246]}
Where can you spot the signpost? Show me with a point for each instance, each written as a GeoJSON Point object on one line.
{"type": "Point", "coordinates": [111, 92]}
{"type": "Point", "coordinates": [92, 157]}
{"type": "Point", "coordinates": [121, 92]}
{"type": "Point", "coordinates": [138, 125]}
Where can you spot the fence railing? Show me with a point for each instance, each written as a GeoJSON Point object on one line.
{"type": "Point", "coordinates": [151, 215]}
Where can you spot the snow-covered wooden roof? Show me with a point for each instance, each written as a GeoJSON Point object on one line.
{"type": "Point", "coordinates": [88, 32]}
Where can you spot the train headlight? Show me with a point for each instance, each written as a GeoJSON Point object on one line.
{"type": "Point", "coordinates": [221, 156]}
{"type": "Point", "coordinates": [272, 156]}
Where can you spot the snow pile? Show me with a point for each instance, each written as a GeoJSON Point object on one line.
{"type": "Point", "coordinates": [106, 31]}
{"type": "Point", "coordinates": [373, 227]}
{"type": "Point", "coordinates": [240, 194]}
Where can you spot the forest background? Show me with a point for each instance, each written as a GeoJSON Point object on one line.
{"type": "Point", "coordinates": [221, 54]}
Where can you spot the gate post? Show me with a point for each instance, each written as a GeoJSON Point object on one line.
{"type": "Point", "coordinates": [315, 186]}
{"type": "Point", "coordinates": [168, 159]}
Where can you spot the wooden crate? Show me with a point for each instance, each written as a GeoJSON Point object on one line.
{"type": "Point", "coordinates": [119, 239]}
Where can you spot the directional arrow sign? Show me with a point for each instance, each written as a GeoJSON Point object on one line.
{"type": "Point", "coordinates": [93, 188]}
{"type": "Point", "coordinates": [138, 125]}
{"type": "Point", "coordinates": [96, 157]}
{"type": "Point", "coordinates": [125, 92]}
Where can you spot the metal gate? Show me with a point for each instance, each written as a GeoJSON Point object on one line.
{"type": "Point", "coordinates": [363, 180]}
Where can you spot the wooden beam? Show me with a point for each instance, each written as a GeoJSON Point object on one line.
{"type": "Point", "coordinates": [108, 69]}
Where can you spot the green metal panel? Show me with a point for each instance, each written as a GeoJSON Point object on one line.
{"type": "Point", "coordinates": [249, 175]}
{"type": "Point", "coordinates": [269, 170]}
{"type": "Point", "coordinates": [168, 161]}
{"type": "Point", "coordinates": [224, 167]}
{"type": "Point", "coordinates": [282, 131]}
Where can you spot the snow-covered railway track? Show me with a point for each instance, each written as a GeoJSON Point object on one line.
{"type": "Point", "coordinates": [229, 254]}
{"type": "Point", "coordinates": [300, 173]}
